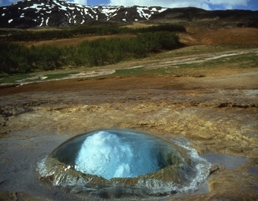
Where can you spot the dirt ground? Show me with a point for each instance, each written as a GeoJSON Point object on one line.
{"type": "Point", "coordinates": [217, 112]}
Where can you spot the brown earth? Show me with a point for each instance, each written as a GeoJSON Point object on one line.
{"type": "Point", "coordinates": [72, 41]}
{"type": "Point", "coordinates": [218, 112]}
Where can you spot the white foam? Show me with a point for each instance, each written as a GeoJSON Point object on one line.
{"type": "Point", "coordinates": [201, 165]}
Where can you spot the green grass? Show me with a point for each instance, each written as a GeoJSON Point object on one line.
{"type": "Point", "coordinates": [248, 60]}
{"type": "Point", "coordinates": [242, 61]}
{"type": "Point", "coordinates": [13, 78]}
{"type": "Point", "coordinates": [132, 72]}
{"type": "Point", "coordinates": [201, 49]}
{"type": "Point", "coordinates": [144, 71]}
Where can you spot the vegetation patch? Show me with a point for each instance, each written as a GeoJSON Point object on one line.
{"type": "Point", "coordinates": [16, 58]}
{"type": "Point", "coordinates": [195, 69]}
{"type": "Point", "coordinates": [13, 78]}
{"type": "Point", "coordinates": [88, 30]}
{"type": "Point", "coordinates": [246, 60]}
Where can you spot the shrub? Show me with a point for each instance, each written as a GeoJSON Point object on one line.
{"type": "Point", "coordinates": [15, 58]}
{"type": "Point", "coordinates": [89, 30]}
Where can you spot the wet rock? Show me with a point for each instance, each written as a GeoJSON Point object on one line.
{"type": "Point", "coordinates": [7, 111]}
{"type": "Point", "coordinates": [214, 169]}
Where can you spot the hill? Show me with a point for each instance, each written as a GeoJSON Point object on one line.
{"type": "Point", "coordinates": [59, 13]}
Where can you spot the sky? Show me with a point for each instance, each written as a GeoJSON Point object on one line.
{"type": "Point", "coordinates": [205, 4]}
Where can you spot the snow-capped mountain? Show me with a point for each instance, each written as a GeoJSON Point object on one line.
{"type": "Point", "coordinates": [59, 13]}
{"type": "Point", "coordinates": [39, 13]}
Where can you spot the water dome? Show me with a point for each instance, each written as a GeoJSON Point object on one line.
{"type": "Point", "coordinates": [123, 161]}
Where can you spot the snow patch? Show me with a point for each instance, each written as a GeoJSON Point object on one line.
{"type": "Point", "coordinates": [42, 22]}
{"type": "Point", "coordinates": [82, 12]}
{"type": "Point", "coordinates": [47, 21]}
{"type": "Point", "coordinates": [142, 12]}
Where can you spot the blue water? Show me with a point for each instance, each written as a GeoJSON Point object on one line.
{"type": "Point", "coordinates": [124, 161]}
{"type": "Point", "coordinates": [110, 155]}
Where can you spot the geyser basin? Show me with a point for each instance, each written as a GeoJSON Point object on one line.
{"type": "Point", "coordinates": [123, 161]}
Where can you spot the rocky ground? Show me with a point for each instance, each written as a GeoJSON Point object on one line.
{"type": "Point", "coordinates": [217, 111]}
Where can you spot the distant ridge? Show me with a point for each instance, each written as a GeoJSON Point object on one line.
{"type": "Point", "coordinates": [220, 18]}
{"type": "Point", "coordinates": [60, 13]}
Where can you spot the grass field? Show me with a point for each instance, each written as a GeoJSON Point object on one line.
{"type": "Point", "coordinates": [196, 59]}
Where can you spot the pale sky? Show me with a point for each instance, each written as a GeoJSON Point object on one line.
{"type": "Point", "coordinates": [205, 4]}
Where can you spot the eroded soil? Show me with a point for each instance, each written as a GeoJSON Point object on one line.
{"type": "Point", "coordinates": [217, 112]}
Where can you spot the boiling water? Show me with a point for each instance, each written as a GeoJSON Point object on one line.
{"type": "Point", "coordinates": [123, 162]}
{"type": "Point", "coordinates": [21, 153]}
{"type": "Point", "coordinates": [109, 155]}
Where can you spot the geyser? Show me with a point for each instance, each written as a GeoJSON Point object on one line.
{"type": "Point", "coordinates": [113, 155]}
{"type": "Point", "coordinates": [126, 161]}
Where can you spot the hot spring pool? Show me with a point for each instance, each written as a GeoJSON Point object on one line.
{"type": "Point", "coordinates": [118, 162]}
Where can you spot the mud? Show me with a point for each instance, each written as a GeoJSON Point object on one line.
{"type": "Point", "coordinates": [217, 113]}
